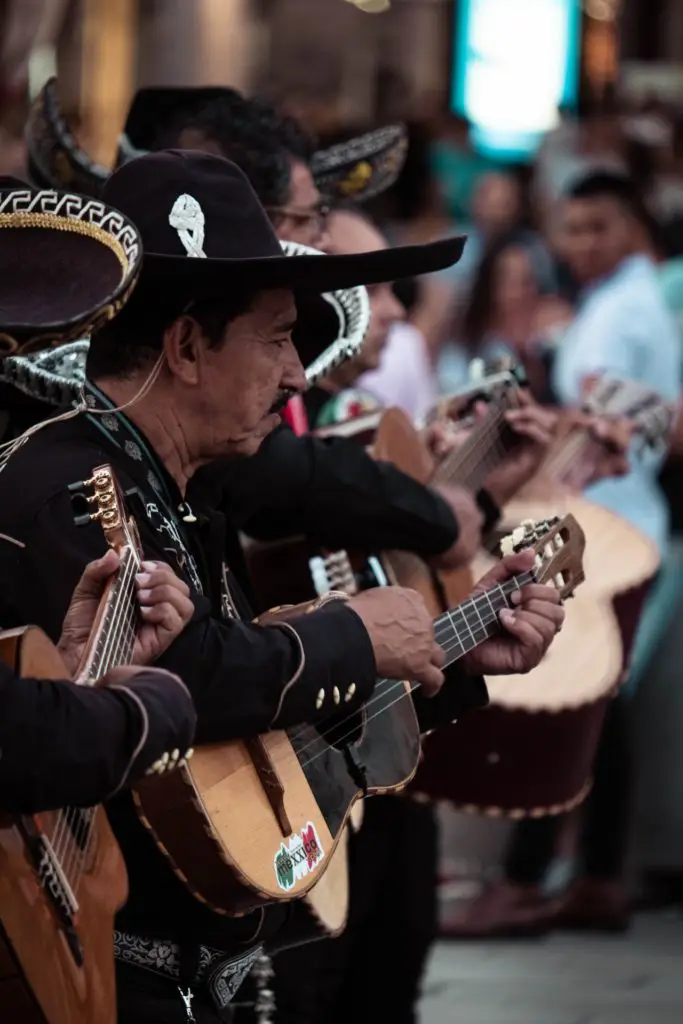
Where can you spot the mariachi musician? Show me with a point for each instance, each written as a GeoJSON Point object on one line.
{"type": "Point", "coordinates": [64, 744]}
{"type": "Point", "coordinates": [294, 485]}
{"type": "Point", "coordinates": [78, 745]}
{"type": "Point", "coordinates": [196, 390]}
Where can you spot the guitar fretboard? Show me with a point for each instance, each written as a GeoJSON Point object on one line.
{"type": "Point", "coordinates": [115, 637]}
{"type": "Point", "coordinates": [468, 624]}
{"type": "Point", "coordinates": [459, 631]}
{"type": "Point", "coordinates": [485, 448]}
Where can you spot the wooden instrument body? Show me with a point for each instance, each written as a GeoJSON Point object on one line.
{"type": "Point", "coordinates": [230, 864]}
{"type": "Point", "coordinates": [62, 991]}
{"type": "Point", "coordinates": [532, 750]}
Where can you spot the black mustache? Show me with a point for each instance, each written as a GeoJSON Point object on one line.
{"type": "Point", "coordinates": [281, 402]}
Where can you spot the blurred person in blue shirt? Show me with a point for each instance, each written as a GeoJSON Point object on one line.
{"type": "Point", "coordinates": [622, 329]}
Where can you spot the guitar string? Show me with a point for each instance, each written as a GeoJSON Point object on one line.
{"type": "Point", "coordinates": [386, 690]}
{"type": "Point", "coordinates": [467, 463]}
{"type": "Point", "coordinates": [456, 642]}
{"type": "Point", "coordinates": [85, 834]}
{"type": "Point", "coordinates": [463, 462]}
{"type": "Point", "coordinates": [78, 831]}
{"type": "Point", "coordinates": [124, 631]}
{"type": "Point", "coordinates": [60, 838]}
{"type": "Point", "coordinates": [604, 410]}
{"type": "Point", "coordinates": [444, 628]}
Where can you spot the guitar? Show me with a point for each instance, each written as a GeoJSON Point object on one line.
{"type": "Point", "coordinates": [554, 712]}
{"type": "Point", "coordinates": [62, 876]}
{"type": "Point", "coordinates": [257, 821]}
{"type": "Point", "coordinates": [297, 570]}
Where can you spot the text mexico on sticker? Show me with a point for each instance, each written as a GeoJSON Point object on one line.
{"type": "Point", "coordinates": [296, 858]}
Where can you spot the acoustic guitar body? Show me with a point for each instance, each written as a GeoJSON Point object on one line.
{"type": "Point", "coordinates": [274, 809]}
{"type": "Point", "coordinates": [41, 978]}
{"type": "Point", "coordinates": [531, 751]}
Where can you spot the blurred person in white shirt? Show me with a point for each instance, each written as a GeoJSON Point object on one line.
{"type": "Point", "coordinates": [623, 330]}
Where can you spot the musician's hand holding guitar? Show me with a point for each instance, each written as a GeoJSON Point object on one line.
{"type": "Point", "coordinates": [535, 427]}
{"type": "Point", "coordinates": [528, 629]}
{"type": "Point", "coordinates": [402, 635]}
{"type": "Point", "coordinates": [165, 609]}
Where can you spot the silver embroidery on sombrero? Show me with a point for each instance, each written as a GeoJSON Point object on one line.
{"type": "Point", "coordinates": [187, 217]}
{"type": "Point", "coordinates": [352, 307]}
{"type": "Point", "coordinates": [53, 375]}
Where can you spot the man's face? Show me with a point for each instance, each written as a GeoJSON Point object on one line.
{"type": "Point", "coordinates": [496, 203]}
{"type": "Point", "coordinates": [351, 234]}
{"type": "Point", "coordinates": [596, 235]}
{"type": "Point", "coordinates": [239, 383]}
{"type": "Point", "coordinates": [303, 218]}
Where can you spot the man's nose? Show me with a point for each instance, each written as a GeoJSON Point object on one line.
{"type": "Point", "coordinates": [294, 376]}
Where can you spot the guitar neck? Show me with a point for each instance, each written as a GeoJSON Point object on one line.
{"type": "Point", "coordinates": [113, 638]}
{"type": "Point", "coordinates": [469, 624]}
{"type": "Point", "coordinates": [482, 452]}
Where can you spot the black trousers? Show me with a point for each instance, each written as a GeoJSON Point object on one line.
{"type": "Point", "coordinates": [372, 972]}
{"type": "Point", "coordinates": [606, 813]}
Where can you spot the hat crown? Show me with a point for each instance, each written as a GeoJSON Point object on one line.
{"type": "Point", "coordinates": [192, 204]}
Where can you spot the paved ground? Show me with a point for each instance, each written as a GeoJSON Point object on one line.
{"type": "Point", "coordinates": [634, 979]}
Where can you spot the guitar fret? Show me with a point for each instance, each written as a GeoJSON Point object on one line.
{"type": "Point", "coordinates": [461, 629]}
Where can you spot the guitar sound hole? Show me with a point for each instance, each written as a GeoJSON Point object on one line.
{"type": "Point", "coordinates": [342, 730]}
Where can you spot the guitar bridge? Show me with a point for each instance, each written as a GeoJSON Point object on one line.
{"type": "Point", "coordinates": [356, 769]}
{"type": "Point", "coordinates": [56, 886]}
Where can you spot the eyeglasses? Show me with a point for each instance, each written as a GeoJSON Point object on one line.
{"type": "Point", "coordinates": [303, 215]}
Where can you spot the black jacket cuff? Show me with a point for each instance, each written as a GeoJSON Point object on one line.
{"type": "Point", "coordinates": [491, 511]}
{"type": "Point", "coordinates": [337, 667]}
{"type": "Point", "coordinates": [459, 694]}
{"type": "Point", "coordinates": [166, 721]}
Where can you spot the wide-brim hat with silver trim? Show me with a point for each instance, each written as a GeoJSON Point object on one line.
{"type": "Point", "coordinates": [355, 170]}
{"type": "Point", "coordinates": [68, 264]}
{"type": "Point", "coordinates": [363, 167]}
{"type": "Point", "coordinates": [187, 204]}
{"type": "Point", "coordinates": [330, 329]}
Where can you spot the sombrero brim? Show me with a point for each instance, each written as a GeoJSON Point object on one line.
{"type": "Point", "coordinates": [205, 277]}
{"type": "Point", "coordinates": [69, 264]}
{"type": "Point", "coordinates": [362, 167]}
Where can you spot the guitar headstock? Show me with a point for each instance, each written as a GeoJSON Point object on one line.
{"type": "Point", "coordinates": [649, 414]}
{"type": "Point", "coordinates": [497, 383]}
{"type": "Point", "coordinates": [559, 545]}
{"type": "Point", "coordinates": [503, 368]}
{"type": "Point", "coordinates": [653, 423]}
{"type": "Point", "coordinates": [103, 492]}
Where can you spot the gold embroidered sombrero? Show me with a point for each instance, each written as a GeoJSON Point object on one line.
{"type": "Point", "coordinates": [67, 264]}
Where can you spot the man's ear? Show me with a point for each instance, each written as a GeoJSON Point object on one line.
{"type": "Point", "coordinates": [183, 346]}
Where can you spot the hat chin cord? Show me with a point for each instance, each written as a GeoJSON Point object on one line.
{"type": "Point", "coordinates": [8, 449]}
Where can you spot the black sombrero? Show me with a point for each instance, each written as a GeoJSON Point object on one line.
{"type": "Point", "coordinates": [356, 170]}
{"type": "Point", "coordinates": [68, 264]}
{"type": "Point", "coordinates": [362, 168]}
{"type": "Point", "coordinates": [204, 230]}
